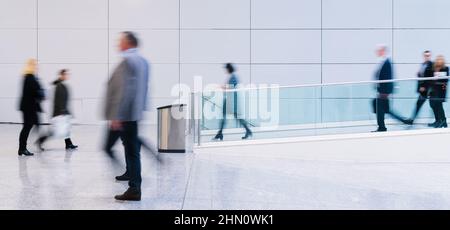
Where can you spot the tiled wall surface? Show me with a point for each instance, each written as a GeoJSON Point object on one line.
{"type": "Point", "coordinates": [272, 41]}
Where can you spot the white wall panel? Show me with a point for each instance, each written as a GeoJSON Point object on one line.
{"type": "Point", "coordinates": [73, 46]}
{"type": "Point", "coordinates": [91, 111]}
{"type": "Point", "coordinates": [267, 14]}
{"type": "Point", "coordinates": [406, 70]}
{"type": "Point", "coordinates": [12, 80]}
{"type": "Point", "coordinates": [18, 14]}
{"type": "Point", "coordinates": [353, 46]}
{"type": "Point", "coordinates": [286, 74]}
{"type": "Point", "coordinates": [212, 74]}
{"type": "Point", "coordinates": [357, 13]}
{"type": "Point", "coordinates": [229, 14]}
{"type": "Point", "coordinates": [286, 46]}
{"type": "Point", "coordinates": [421, 13]}
{"type": "Point", "coordinates": [215, 46]}
{"type": "Point", "coordinates": [73, 14]}
{"type": "Point", "coordinates": [16, 46]}
{"type": "Point", "coordinates": [348, 72]}
{"type": "Point", "coordinates": [143, 14]}
{"type": "Point", "coordinates": [163, 78]}
{"type": "Point", "coordinates": [11, 105]}
{"type": "Point", "coordinates": [410, 44]}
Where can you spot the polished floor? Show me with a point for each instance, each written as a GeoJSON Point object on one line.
{"type": "Point", "coordinates": [84, 179]}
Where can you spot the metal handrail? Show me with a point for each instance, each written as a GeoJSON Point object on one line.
{"type": "Point", "coordinates": [327, 84]}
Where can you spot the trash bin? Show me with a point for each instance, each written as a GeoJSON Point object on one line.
{"type": "Point", "coordinates": [172, 128]}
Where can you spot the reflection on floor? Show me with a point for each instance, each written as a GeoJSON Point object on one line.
{"type": "Point", "coordinates": [84, 179]}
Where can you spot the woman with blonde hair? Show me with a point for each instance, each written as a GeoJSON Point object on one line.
{"type": "Point", "coordinates": [30, 104]}
{"type": "Point", "coordinates": [438, 92]}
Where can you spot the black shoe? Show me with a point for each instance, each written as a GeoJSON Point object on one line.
{"type": "Point", "coordinates": [434, 124]}
{"type": "Point", "coordinates": [25, 153]}
{"type": "Point", "coordinates": [123, 177]}
{"type": "Point", "coordinates": [248, 134]}
{"type": "Point", "coordinates": [131, 194]}
{"type": "Point", "coordinates": [379, 130]}
{"type": "Point", "coordinates": [71, 147]}
{"type": "Point", "coordinates": [409, 121]}
{"type": "Point", "coordinates": [219, 136]}
{"type": "Point", "coordinates": [441, 124]}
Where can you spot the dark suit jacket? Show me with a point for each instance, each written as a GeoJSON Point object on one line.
{"type": "Point", "coordinates": [385, 73]}
{"type": "Point", "coordinates": [61, 100]}
{"type": "Point", "coordinates": [427, 73]}
{"type": "Point", "coordinates": [32, 95]}
{"type": "Point", "coordinates": [439, 87]}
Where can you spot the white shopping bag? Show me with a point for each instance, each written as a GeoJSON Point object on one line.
{"type": "Point", "coordinates": [61, 126]}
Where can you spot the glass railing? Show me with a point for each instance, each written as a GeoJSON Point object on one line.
{"type": "Point", "coordinates": [308, 110]}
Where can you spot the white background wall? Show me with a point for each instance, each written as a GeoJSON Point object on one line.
{"type": "Point", "coordinates": [272, 41]}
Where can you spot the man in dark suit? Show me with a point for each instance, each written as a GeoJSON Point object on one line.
{"type": "Point", "coordinates": [384, 89]}
{"type": "Point", "coordinates": [423, 87]}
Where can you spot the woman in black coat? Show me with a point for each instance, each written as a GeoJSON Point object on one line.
{"type": "Point", "coordinates": [30, 105]}
{"type": "Point", "coordinates": [60, 107]}
{"type": "Point", "coordinates": [439, 92]}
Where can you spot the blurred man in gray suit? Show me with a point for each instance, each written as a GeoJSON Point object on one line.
{"type": "Point", "coordinates": [125, 103]}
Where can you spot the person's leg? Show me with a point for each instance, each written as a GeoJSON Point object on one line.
{"type": "Point", "coordinates": [244, 124]}
{"type": "Point", "coordinates": [222, 122]}
{"type": "Point", "coordinates": [381, 107]}
{"type": "Point", "coordinates": [111, 138]}
{"type": "Point", "coordinates": [130, 141]}
{"type": "Point", "coordinates": [420, 101]}
{"type": "Point", "coordinates": [24, 133]}
{"type": "Point", "coordinates": [398, 117]}
{"type": "Point", "coordinates": [434, 107]}
{"type": "Point", "coordinates": [28, 122]}
{"type": "Point", "coordinates": [394, 114]}
{"type": "Point", "coordinates": [69, 144]}
{"type": "Point", "coordinates": [126, 176]}
{"type": "Point", "coordinates": [441, 112]}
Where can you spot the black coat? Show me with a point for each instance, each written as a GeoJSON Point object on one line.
{"type": "Point", "coordinates": [32, 95]}
{"type": "Point", "coordinates": [61, 100]}
{"type": "Point", "coordinates": [439, 87]}
{"type": "Point", "coordinates": [385, 73]}
{"type": "Point", "coordinates": [427, 73]}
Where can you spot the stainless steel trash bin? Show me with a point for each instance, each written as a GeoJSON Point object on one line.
{"type": "Point", "coordinates": [172, 128]}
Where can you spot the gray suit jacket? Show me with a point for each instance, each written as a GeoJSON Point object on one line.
{"type": "Point", "coordinates": [126, 96]}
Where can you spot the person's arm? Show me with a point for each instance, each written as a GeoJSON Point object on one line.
{"type": "Point", "coordinates": [38, 92]}
{"type": "Point", "coordinates": [146, 81]}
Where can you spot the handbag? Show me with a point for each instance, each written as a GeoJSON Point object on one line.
{"type": "Point", "coordinates": [61, 126]}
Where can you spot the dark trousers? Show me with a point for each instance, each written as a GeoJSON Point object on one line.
{"type": "Point", "coordinates": [438, 109]}
{"type": "Point", "coordinates": [224, 116]}
{"type": "Point", "coordinates": [132, 153]}
{"type": "Point", "coordinates": [382, 108]}
{"type": "Point", "coordinates": [420, 101]}
{"type": "Point", "coordinates": [113, 136]}
{"type": "Point", "coordinates": [30, 119]}
{"type": "Point", "coordinates": [111, 139]}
